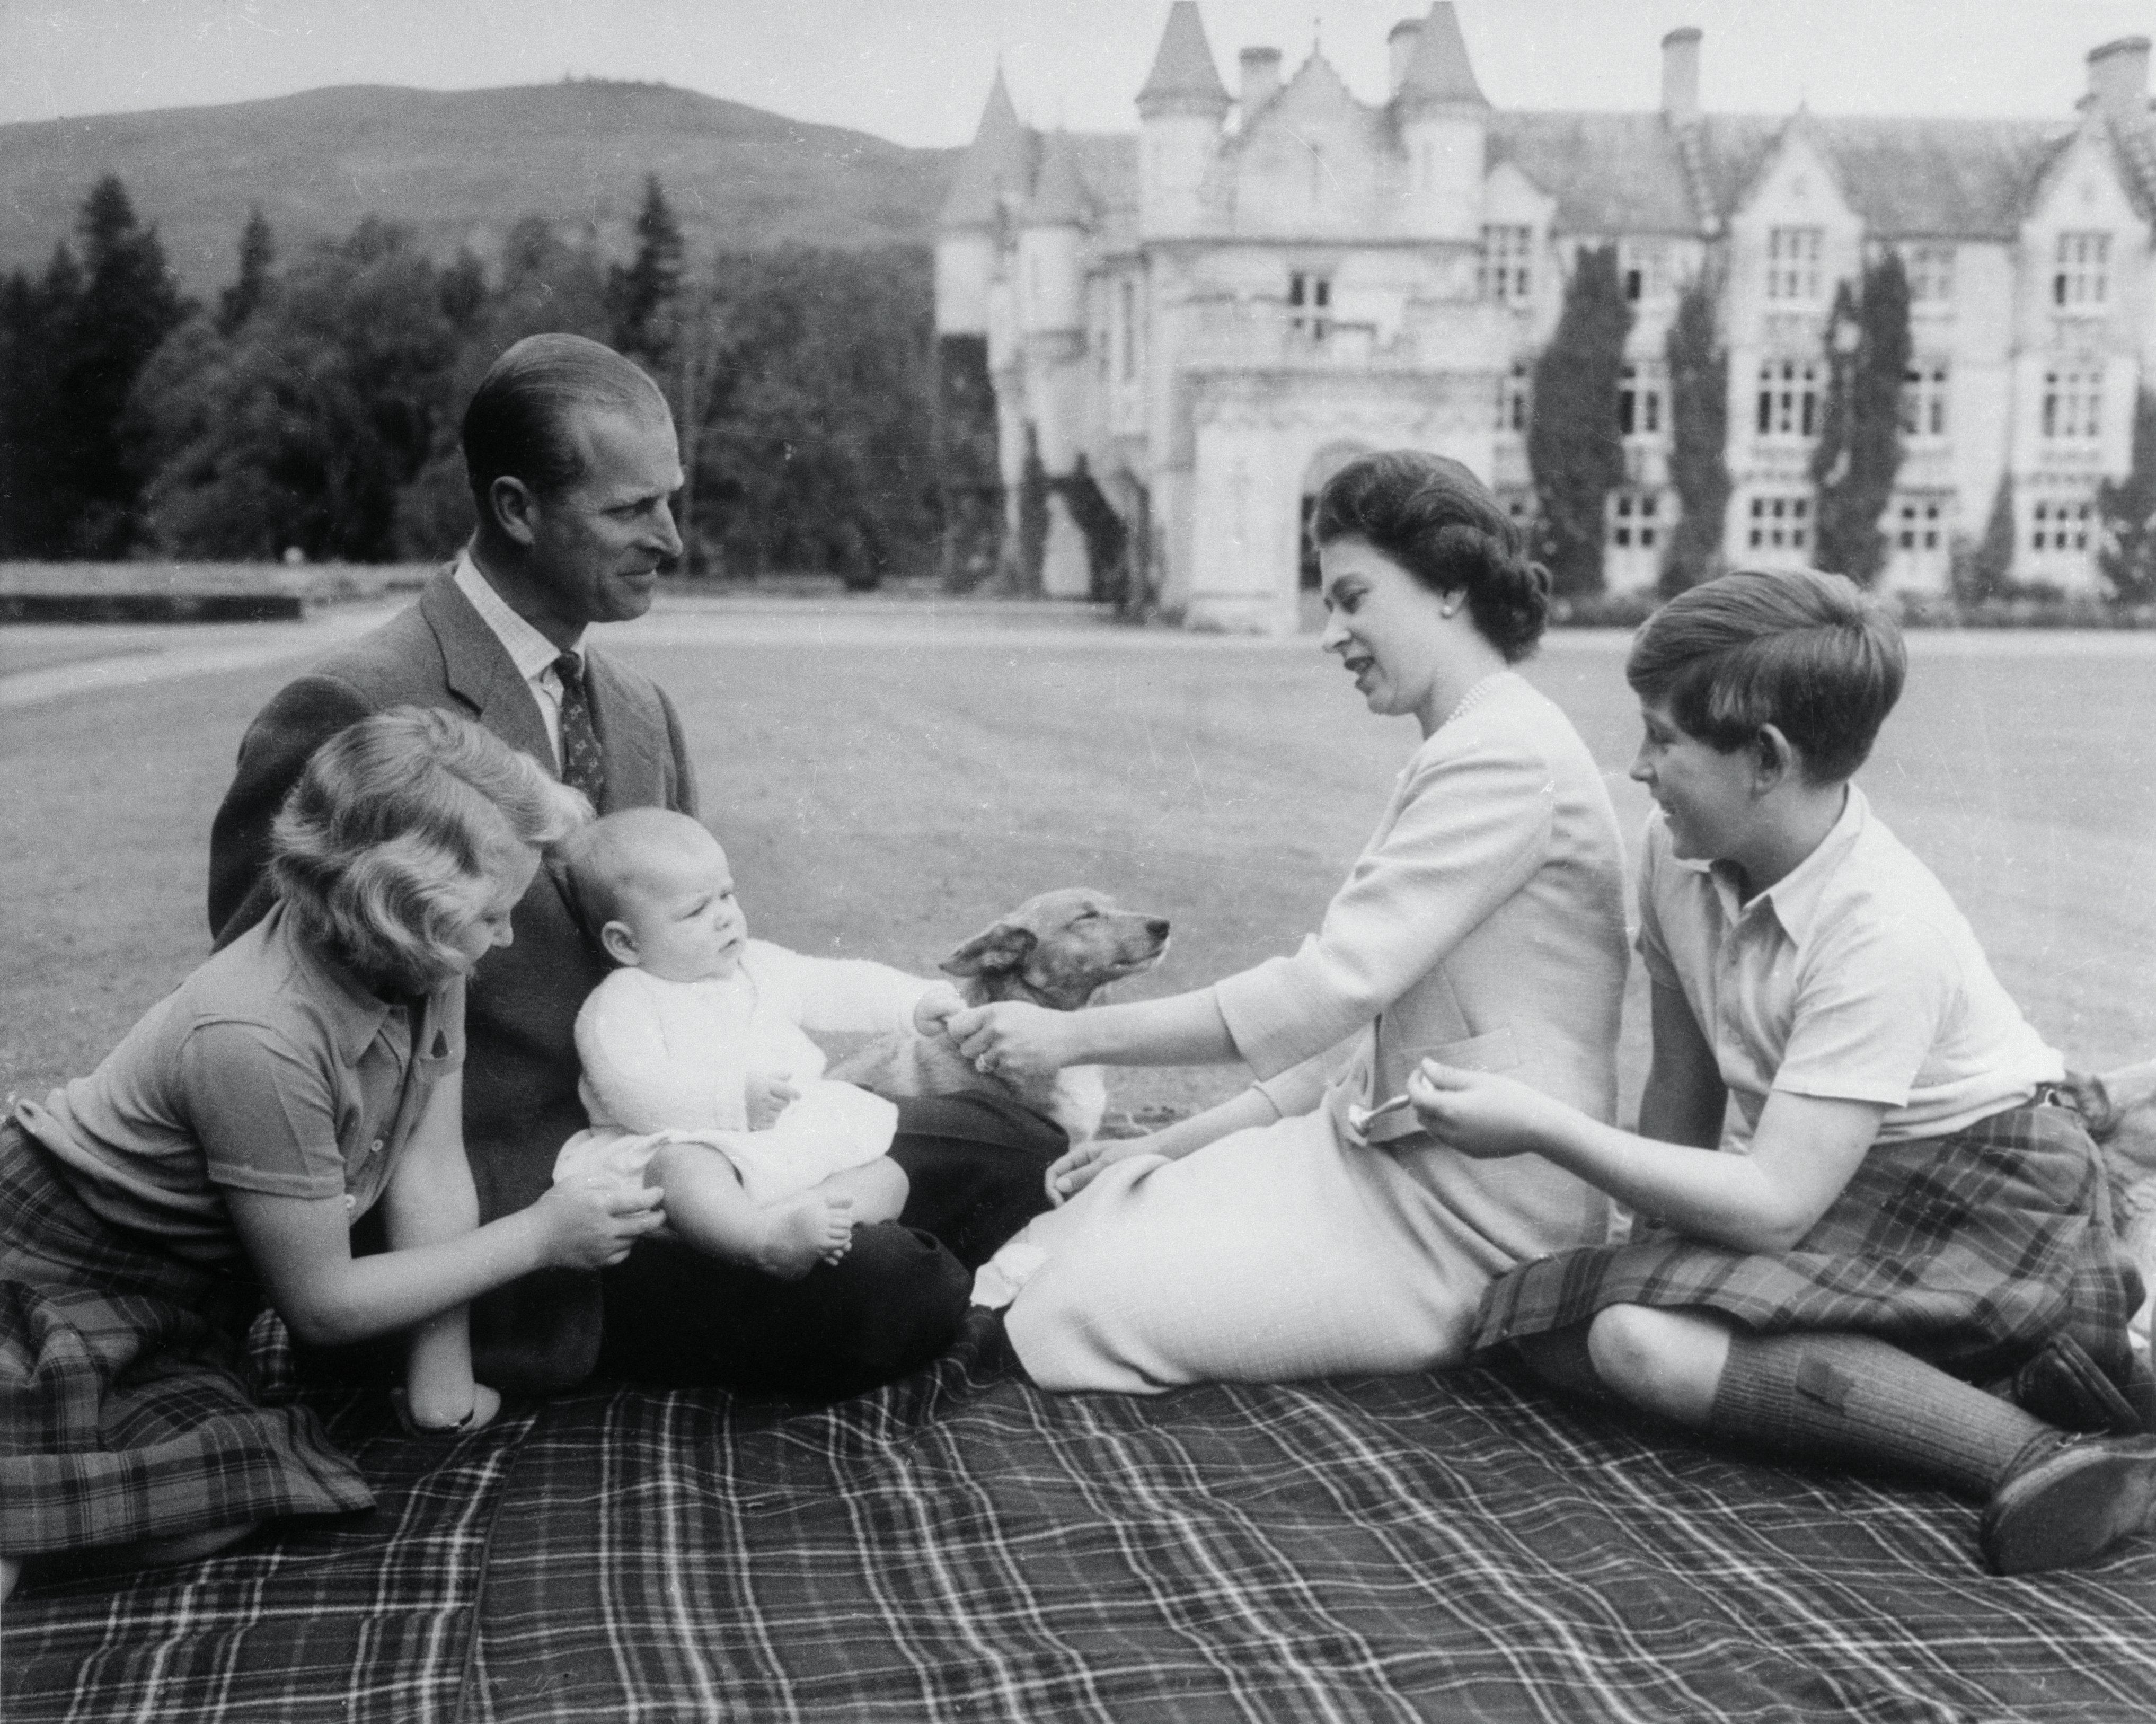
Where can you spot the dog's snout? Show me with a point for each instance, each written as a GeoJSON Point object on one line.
{"type": "Point", "coordinates": [1156, 926]}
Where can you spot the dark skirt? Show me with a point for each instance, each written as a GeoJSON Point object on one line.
{"type": "Point", "coordinates": [126, 1409]}
{"type": "Point", "coordinates": [1969, 1251]}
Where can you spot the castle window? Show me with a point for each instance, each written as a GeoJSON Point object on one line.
{"type": "Point", "coordinates": [1512, 398]}
{"type": "Point", "coordinates": [2083, 274]}
{"type": "Point", "coordinates": [1793, 262]}
{"type": "Point", "coordinates": [2073, 402]}
{"type": "Point", "coordinates": [1645, 265]}
{"type": "Point", "coordinates": [1639, 402]}
{"type": "Point", "coordinates": [1634, 520]}
{"type": "Point", "coordinates": [1919, 524]}
{"type": "Point", "coordinates": [1780, 523]}
{"type": "Point", "coordinates": [1788, 397]}
{"type": "Point", "coordinates": [1924, 399]}
{"type": "Point", "coordinates": [1309, 299]}
{"type": "Point", "coordinates": [1507, 263]}
{"type": "Point", "coordinates": [2061, 524]}
{"type": "Point", "coordinates": [1931, 274]}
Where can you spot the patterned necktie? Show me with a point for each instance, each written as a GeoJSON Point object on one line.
{"type": "Point", "coordinates": [583, 767]}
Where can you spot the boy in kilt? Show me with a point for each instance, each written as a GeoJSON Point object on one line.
{"type": "Point", "coordinates": [1902, 1257]}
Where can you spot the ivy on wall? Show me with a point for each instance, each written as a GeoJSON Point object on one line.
{"type": "Point", "coordinates": [1575, 449]}
{"type": "Point", "coordinates": [2126, 515]}
{"type": "Point", "coordinates": [1699, 436]}
{"type": "Point", "coordinates": [966, 472]}
{"type": "Point", "coordinates": [1859, 450]}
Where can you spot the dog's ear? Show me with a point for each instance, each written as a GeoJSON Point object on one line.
{"type": "Point", "coordinates": [1004, 946]}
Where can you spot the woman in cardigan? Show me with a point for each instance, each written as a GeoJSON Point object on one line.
{"type": "Point", "coordinates": [1272, 1238]}
{"type": "Point", "coordinates": [221, 1153]}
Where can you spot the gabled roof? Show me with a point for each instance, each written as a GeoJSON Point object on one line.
{"type": "Point", "coordinates": [998, 165]}
{"type": "Point", "coordinates": [1608, 173]}
{"type": "Point", "coordinates": [1184, 74]}
{"type": "Point", "coordinates": [1060, 198]}
{"type": "Point", "coordinates": [1438, 71]}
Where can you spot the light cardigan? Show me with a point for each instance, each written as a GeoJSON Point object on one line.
{"type": "Point", "coordinates": [1482, 925]}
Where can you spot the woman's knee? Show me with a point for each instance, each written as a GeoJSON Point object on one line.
{"type": "Point", "coordinates": [1668, 1362]}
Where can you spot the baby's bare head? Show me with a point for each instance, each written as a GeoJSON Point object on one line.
{"type": "Point", "coordinates": [631, 868]}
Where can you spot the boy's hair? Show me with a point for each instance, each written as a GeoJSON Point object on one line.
{"type": "Point", "coordinates": [1808, 653]}
{"type": "Point", "coordinates": [376, 849]}
{"type": "Point", "coordinates": [602, 864]}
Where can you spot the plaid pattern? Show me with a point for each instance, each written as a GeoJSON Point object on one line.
{"type": "Point", "coordinates": [1970, 1251]}
{"type": "Point", "coordinates": [961, 1545]}
{"type": "Point", "coordinates": [127, 1407]}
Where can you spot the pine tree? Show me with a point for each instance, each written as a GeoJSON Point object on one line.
{"type": "Point", "coordinates": [1860, 447]}
{"type": "Point", "coordinates": [2126, 515]}
{"type": "Point", "coordinates": [1985, 570]}
{"type": "Point", "coordinates": [37, 495]}
{"type": "Point", "coordinates": [1574, 447]}
{"type": "Point", "coordinates": [1699, 437]}
{"type": "Point", "coordinates": [1032, 546]}
{"type": "Point", "coordinates": [643, 295]}
{"type": "Point", "coordinates": [257, 251]}
{"type": "Point", "coordinates": [127, 305]}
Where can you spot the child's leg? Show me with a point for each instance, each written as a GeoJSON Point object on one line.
{"type": "Point", "coordinates": [878, 1190]}
{"type": "Point", "coordinates": [1850, 1398]}
{"type": "Point", "coordinates": [707, 1208]}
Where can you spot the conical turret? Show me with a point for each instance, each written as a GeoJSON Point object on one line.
{"type": "Point", "coordinates": [1180, 108]}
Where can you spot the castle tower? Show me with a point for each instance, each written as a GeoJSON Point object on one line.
{"type": "Point", "coordinates": [992, 174]}
{"type": "Point", "coordinates": [1444, 122]}
{"type": "Point", "coordinates": [1180, 110]}
{"type": "Point", "coordinates": [1052, 321]}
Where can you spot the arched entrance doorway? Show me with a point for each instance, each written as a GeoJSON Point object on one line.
{"type": "Point", "coordinates": [1323, 464]}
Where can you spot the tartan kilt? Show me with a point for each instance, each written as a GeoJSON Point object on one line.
{"type": "Point", "coordinates": [126, 1409]}
{"type": "Point", "coordinates": [1969, 1251]}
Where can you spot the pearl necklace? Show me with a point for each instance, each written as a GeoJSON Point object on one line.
{"type": "Point", "coordinates": [1472, 699]}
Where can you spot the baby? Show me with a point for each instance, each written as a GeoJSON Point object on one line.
{"type": "Point", "coordinates": [697, 1077]}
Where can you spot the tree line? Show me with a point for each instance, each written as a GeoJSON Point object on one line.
{"type": "Point", "coordinates": [313, 407]}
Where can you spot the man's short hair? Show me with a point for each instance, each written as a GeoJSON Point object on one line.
{"type": "Point", "coordinates": [517, 425]}
{"type": "Point", "coordinates": [1808, 653]}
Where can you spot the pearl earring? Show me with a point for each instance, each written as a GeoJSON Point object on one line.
{"type": "Point", "coordinates": [1451, 609]}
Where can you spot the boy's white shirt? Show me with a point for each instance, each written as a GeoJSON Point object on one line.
{"type": "Point", "coordinates": [666, 1061]}
{"type": "Point", "coordinates": [1855, 977]}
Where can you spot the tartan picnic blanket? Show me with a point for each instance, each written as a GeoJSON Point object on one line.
{"type": "Point", "coordinates": [961, 1545]}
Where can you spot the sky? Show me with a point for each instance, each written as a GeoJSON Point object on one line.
{"type": "Point", "coordinates": [917, 71]}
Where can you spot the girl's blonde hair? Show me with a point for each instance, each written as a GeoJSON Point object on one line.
{"type": "Point", "coordinates": [377, 849]}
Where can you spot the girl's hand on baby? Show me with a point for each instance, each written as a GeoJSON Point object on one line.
{"type": "Point", "coordinates": [934, 1009]}
{"type": "Point", "coordinates": [591, 1223]}
{"type": "Point", "coordinates": [766, 1097]}
{"type": "Point", "coordinates": [1480, 1114]}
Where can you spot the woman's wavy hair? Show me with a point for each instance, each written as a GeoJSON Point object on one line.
{"type": "Point", "coordinates": [1813, 655]}
{"type": "Point", "coordinates": [378, 848]}
{"type": "Point", "coordinates": [1438, 521]}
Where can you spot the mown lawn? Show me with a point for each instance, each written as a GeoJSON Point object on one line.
{"type": "Point", "coordinates": [885, 794]}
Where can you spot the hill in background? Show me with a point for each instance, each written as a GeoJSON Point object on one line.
{"type": "Point", "coordinates": [460, 167]}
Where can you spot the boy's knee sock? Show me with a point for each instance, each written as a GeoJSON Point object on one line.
{"type": "Point", "coordinates": [1850, 1398]}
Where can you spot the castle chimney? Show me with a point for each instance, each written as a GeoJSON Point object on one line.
{"type": "Point", "coordinates": [2119, 79]}
{"type": "Point", "coordinates": [1400, 43]}
{"type": "Point", "coordinates": [1680, 76]}
{"type": "Point", "coordinates": [1260, 78]}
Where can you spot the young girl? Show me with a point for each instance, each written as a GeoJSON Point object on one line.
{"type": "Point", "coordinates": [221, 1154]}
{"type": "Point", "coordinates": [1898, 1212]}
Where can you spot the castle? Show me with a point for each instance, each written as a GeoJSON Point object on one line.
{"type": "Point", "coordinates": [1215, 314]}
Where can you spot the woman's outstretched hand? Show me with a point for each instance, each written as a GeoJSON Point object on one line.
{"type": "Point", "coordinates": [1482, 1114]}
{"type": "Point", "coordinates": [1012, 1039]}
{"type": "Point", "coordinates": [1082, 1164]}
{"type": "Point", "coordinates": [590, 1223]}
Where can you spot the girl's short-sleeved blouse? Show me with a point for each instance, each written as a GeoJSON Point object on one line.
{"type": "Point", "coordinates": [266, 1070]}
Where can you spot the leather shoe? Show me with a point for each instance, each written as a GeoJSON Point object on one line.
{"type": "Point", "coordinates": [2068, 1503]}
{"type": "Point", "coordinates": [2062, 1386]}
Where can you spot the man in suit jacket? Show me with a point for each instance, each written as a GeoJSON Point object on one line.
{"type": "Point", "coordinates": [573, 464]}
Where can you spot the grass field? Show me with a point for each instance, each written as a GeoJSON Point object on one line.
{"type": "Point", "coordinates": [885, 788]}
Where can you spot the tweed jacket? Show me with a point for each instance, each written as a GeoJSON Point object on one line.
{"type": "Point", "coordinates": [1483, 925]}
{"type": "Point", "coordinates": [521, 1071]}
